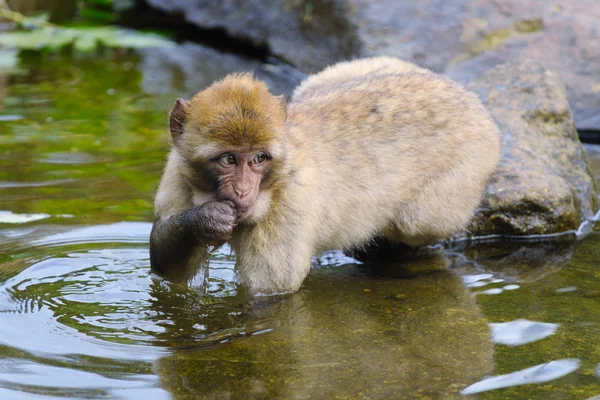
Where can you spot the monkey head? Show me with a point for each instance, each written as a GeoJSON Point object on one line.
{"type": "Point", "coordinates": [231, 141]}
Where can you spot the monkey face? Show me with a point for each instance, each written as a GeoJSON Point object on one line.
{"type": "Point", "coordinates": [239, 176]}
{"type": "Point", "coordinates": [231, 142]}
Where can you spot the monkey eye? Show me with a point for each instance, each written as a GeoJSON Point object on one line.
{"type": "Point", "coordinates": [227, 160]}
{"type": "Point", "coordinates": [259, 158]}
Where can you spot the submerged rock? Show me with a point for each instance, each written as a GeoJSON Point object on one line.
{"type": "Point", "coordinates": [463, 38]}
{"type": "Point", "coordinates": [543, 184]}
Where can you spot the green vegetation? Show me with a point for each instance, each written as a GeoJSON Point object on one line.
{"type": "Point", "coordinates": [85, 141]}
{"type": "Point", "coordinates": [37, 33]}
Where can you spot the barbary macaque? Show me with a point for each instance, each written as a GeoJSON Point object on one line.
{"type": "Point", "coordinates": [367, 148]}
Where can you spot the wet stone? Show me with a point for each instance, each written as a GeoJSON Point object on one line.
{"type": "Point", "coordinates": [543, 184]}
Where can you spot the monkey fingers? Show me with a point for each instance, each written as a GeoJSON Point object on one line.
{"type": "Point", "coordinates": [218, 220]}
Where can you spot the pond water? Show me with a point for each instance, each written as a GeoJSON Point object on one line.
{"type": "Point", "coordinates": [82, 146]}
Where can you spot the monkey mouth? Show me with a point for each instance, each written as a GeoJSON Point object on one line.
{"type": "Point", "coordinates": [242, 212]}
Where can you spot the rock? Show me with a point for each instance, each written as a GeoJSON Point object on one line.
{"type": "Point", "coordinates": [461, 37]}
{"type": "Point", "coordinates": [563, 35]}
{"type": "Point", "coordinates": [543, 184]}
{"type": "Point", "coordinates": [189, 68]}
{"type": "Point", "coordinates": [307, 34]}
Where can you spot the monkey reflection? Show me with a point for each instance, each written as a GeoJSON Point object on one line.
{"type": "Point", "coordinates": [345, 334]}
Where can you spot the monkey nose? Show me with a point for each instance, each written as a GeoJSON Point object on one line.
{"type": "Point", "coordinates": [240, 193]}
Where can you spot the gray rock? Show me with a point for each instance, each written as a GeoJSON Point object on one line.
{"type": "Point", "coordinates": [189, 68]}
{"type": "Point", "coordinates": [563, 35]}
{"type": "Point", "coordinates": [461, 37]}
{"type": "Point", "coordinates": [543, 184]}
{"type": "Point", "coordinates": [307, 34]}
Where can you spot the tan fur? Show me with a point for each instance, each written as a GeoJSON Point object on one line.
{"type": "Point", "coordinates": [233, 104]}
{"type": "Point", "coordinates": [374, 146]}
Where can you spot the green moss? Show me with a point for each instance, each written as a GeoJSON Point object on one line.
{"type": "Point", "coordinates": [529, 26]}
{"type": "Point", "coordinates": [496, 38]}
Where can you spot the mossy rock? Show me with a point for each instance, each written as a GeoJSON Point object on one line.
{"type": "Point", "coordinates": [543, 183]}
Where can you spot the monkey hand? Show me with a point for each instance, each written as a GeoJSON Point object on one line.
{"type": "Point", "coordinates": [218, 221]}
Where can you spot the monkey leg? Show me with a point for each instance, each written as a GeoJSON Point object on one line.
{"type": "Point", "coordinates": [440, 210]}
{"type": "Point", "coordinates": [276, 262]}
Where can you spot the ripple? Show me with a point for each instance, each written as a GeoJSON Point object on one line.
{"type": "Point", "coordinates": [25, 379]}
{"type": "Point", "coordinates": [69, 158]}
{"type": "Point", "coordinates": [8, 184]}
{"type": "Point", "coordinates": [85, 304]}
{"type": "Point", "coordinates": [14, 371]}
{"type": "Point", "coordinates": [104, 303]}
{"type": "Point", "coordinates": [122, 232]}
{"type": "Point", "coordinates": [7, 217]}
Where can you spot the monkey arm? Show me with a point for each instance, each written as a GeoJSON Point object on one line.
{"type": "Point", "coordinates": [179, 243]}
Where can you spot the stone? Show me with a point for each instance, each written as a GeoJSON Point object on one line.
{"type": "Point", "coordinates": [190, 67]}
{"type": "Point", "coordinates": [563, 35]}
{"type": "Point", "coordinates": [543, 184]}
{"type": "Point", "coordinates": [463, 38]}
{"type": "Point", "coordinates": [307, 34]}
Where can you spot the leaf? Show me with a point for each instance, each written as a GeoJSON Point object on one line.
{"type": "Point", "coordinates": [32, 40]}
{"type": "Point", "coordinates": [84, 39]}
{"type": "Point", "coordinates": [116, 37]}
{"type": "Point", "coordinates": [86, 43]}
{"type": "Point", "coordinates": [59, 38]}
{"type": "Point", "coordinates": [37, 39]}
{"type": "Point", "coordinates": [35, 21]}
{"type": "Point", "coordinates": [8, 59]}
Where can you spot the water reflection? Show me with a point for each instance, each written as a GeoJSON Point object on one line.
{"type": "Point", "coordinates": [540, 373]}
{"type": "Point", "coordinates": [522, 261]}
{"type": "Point", "coordinates": [18, 373]}
{"type": "Point", "coordinates": [521, 331]}
{"type": "Point", "coordinates": [346, 334]}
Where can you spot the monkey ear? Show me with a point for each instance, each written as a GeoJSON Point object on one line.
{"type": "Point", "coordinates": [177, 118]}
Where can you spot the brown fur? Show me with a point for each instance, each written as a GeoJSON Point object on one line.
{"type": "Point", "coordinates": [369, 147]}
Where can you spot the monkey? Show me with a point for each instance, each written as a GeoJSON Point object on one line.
{"type": "Point", "coordinates": [368, 148]}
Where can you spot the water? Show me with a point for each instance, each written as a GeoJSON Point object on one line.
{"type": "Point", "coordinates": [82, 145]}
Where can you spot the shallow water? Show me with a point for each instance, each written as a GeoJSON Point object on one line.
{"type": "Point", "coordinates": [82, 145]}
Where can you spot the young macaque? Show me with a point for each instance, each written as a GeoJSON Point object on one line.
{"type": "Point", "coordinates": [367, 148]}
